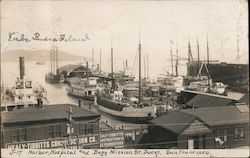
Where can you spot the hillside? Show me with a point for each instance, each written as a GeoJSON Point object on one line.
{"type": "Point", "coordinates": [37, 55]}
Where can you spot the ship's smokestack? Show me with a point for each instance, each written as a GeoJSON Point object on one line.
{"type": "Point", "coordinates": [21, 67]}
{"type": "Point", "coordinates": [126, 63]}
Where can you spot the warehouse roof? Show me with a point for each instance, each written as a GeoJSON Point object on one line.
{"type": "Point", "coordinates": [46, 113]}
{"type": "Point", "coordinates": [175, 121]}
{"type": "Point", "coordinates": [214, 116]}
{"type": "Point", "coordinates": [209, 101]}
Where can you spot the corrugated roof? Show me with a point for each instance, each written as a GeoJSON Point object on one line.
{"type": "Point", "coordinates": [48, 112]}
{"type": "Point", "coordinates": [209, 101]}
{"type": "Point", "coordinates": [214, 116]}
{"type": "Point", "coordinates": [175, 121]}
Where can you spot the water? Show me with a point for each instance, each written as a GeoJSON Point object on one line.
{"type": "Point", "coordinates": [56, 93]}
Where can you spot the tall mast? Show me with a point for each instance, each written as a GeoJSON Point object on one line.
{"type": "Point", "coordinates": [92, 59]}
{"type": "Point", "coordinates": [53, 59]}
{"type": "Point", "coordinates": [100, 59]}
{"type": "Point", "coordinates": [56, 51]}
{"type": "Point", "coordinates": [177, 62]}
{"type": "Point", "coordinates": [50, 55]}
{"type": "Point", "coordinates": [190, 56]}
{"type": "Point", "coordinates": [87, 67]}
{"type": "Point", "coordinates": [139, 101]}
{"type": "Point", "coordinates": [198, 52]}
{"type": "Point", "coordinates": [144, 60]}
{"type": "Point", "coordinates": [112, 71]}
{"type": "Point", "coordinates": [238, 50]}
{"type": "Point", "coordinates": [171, 54]}
{"type": "Point", "coordinates": [147, 68]}
{"type": "Point", "coordinates": [208, 73]}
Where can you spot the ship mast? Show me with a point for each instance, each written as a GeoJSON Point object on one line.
{"type": "Point", "coordinates": [112, 71]}
{"type": "Point", "coordinates": [100, 66]}
{"type": "Point", "coordinates": [56, 51]}
{"type": "Point", "coordinates": [198, 52]}
{"type": "Point", "coordinates": [171, 55]}
{"type": "Point", "coordinates": [208, 73]}
{"type": "Point", "coordinates": [177, 62]}
{"type": "Point", "coordinates": [147, 68]}
{"type": "Point", "coordinates": [93, 59]}
{"type": "Point", "coordinates": [139, 101]}
{"type": "Point", "coordinates": [50, 54]}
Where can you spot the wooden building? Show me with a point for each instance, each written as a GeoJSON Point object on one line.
{"type": "Point", "coordinates": [50, 126]}
{"type": "Point", "coordinates": [201, 128]}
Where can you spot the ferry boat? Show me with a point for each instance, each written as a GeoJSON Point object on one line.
{"type": "Point", "coordinates": [22, 95]}
{"type": "Point", "coordinates": [83, 88]}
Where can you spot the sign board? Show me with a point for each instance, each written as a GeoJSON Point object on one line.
{"type": "Point", "coordinates": [57, 143]}
{"type": "Point", "coordinates": [112, 139]}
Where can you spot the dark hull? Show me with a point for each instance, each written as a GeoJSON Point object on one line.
{"type": "Point", "coordinates": [52, 78]}
{"type": "Point", "coordinates": [121, 115]}
{"type": "Point", "coordinates": [234, 75]}
{"type": "Point", "coordinates": [136, 120]}
{"type": "Point", "coordinates": [90, 98]}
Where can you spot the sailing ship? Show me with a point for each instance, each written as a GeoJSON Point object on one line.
{"type": "Point", "coordinates": [83, 87]}
{"type": "Point", "coordinates": [208, 84]}
{"type": "Point", "coordinates": [23, 94]}
{"type": "Point", "coordinates": [54, 76]}
{"type": "Point", "coordinates": [235, 75]}
{"type": "Point", "coordinates": [112, 102]}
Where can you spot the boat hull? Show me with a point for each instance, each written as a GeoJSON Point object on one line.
{"type": "Point", "coordinates": [53, 79]}
{"type": "Point", "coordinates": [123, 115]}
{"type": "Point", "coordinates": [90, 98]}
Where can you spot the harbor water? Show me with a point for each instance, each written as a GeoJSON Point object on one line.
{"type": "Point", "coordinates": [56, 93]}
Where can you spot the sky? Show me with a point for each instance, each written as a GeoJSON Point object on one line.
{"type": "Point", "coordinates": [158, 22]}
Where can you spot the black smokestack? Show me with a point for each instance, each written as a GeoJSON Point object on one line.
{"type": "Point", "coordinates": [21, 66]}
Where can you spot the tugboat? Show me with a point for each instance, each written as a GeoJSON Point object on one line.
{"type": "Point", "coordinates": [112, 101]}
{"type": "Point", "coordinates": [54, 76]}
{"type": "Point", "coordinates": [22, 95]}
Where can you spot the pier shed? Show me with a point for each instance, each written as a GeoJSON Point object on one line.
{"type": "Point", "coordinates": [201, 128]}
{"type": "Point", "coordinates": [50, 126]}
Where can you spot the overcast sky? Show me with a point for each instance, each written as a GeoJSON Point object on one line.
{"type": "Point", "coordinates": [159, 22]}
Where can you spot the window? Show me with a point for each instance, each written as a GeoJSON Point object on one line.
{"type": "Point", "coordinates": [242, 133]}
{"type": "Point", "coordinates": [19, 135]}
{"type": "Point", "coordinates": [50, 131]}
{"type": "Point", "coordinates": [15, 136]}
{"type": "Point", "coordinates": [236, 134]}
{"type": "Point", "coordinates": [22, 134]}
{"type": "Point", "coordinates": [83, 128]}
{"type": "Point", "coordinates": [54, 131]}
{"type": "Point", "coordinates": [57, 132]}
{"type": "Point", "coordinates": [90, 128]}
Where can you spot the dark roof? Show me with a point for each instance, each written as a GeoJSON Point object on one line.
{"type": "Point", "coordinates": [214, 116]}
{"type": "Point", "coordinates": [69, 68]}
{"type": "Point", "coordinates": [209, 101]}
{"type": "Point", "coordinates": [175, 121]}
{"type": "Point", "coordinates": [48, 112]}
